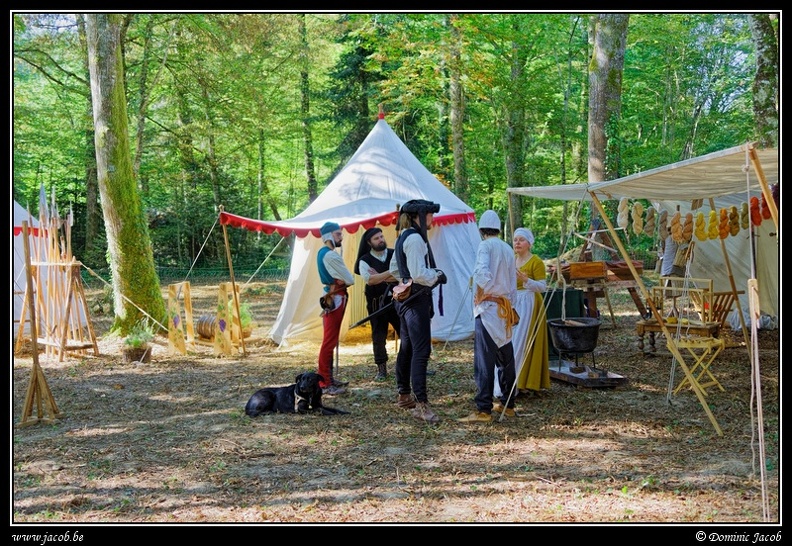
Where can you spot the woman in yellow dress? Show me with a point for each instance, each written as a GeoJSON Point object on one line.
{"type": "Point", "coordinates": [530, 337]}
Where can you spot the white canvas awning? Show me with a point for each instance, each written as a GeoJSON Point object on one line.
{"type": "Point", "coordinates": [712, 175]}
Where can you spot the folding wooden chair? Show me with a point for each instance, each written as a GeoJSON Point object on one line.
{"type": "Point", "coordinates": [704, 351]}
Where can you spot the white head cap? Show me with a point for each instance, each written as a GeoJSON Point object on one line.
{"type": "Point", "coordinates": [489, 220]}
{"type": "Point", "coordinates": [524, 232]}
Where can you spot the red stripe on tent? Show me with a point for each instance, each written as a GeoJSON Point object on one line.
{"type": "Point", "coordinates": [387, 219]}
{"type": "Point", "coordinates": [34, 231]}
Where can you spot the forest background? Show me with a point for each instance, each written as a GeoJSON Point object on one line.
{"type": "Point", "coordinates": [257, 112]}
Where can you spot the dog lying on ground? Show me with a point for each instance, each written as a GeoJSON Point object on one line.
{"type": "Point", "coordinates": [303, 396]}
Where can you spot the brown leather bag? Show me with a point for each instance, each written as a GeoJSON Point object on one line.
{"type": "Point", "coordinates": [402, 291]}
{"type": "Point", "coordinates": [327, 302]}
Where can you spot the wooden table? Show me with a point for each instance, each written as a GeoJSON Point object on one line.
{"type": "Point", "coordinates": [651, 327]}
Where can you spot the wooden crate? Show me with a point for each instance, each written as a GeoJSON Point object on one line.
{"type": "Point", "coordinates": [587, 270]}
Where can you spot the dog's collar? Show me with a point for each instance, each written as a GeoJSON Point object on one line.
{"type": "Point", "coordinates": [297, 399]}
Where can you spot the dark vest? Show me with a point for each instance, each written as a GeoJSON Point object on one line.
{"type": "Point", "coordinates": [401, 257]}
{"type": "Point", "coordinates": [377, 290]}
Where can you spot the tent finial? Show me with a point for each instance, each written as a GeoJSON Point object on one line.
{"type": "Point", "coordinates": [381, 114]}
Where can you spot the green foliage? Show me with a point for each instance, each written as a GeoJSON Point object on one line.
{"type": "Point", "coordinates": [139, 336]}
{"type": "Point", "coordinates": [246, 316]}
{"type": "Point", "coordinates": [217, 98]}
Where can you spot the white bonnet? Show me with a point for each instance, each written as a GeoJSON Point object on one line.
{"type": "Point", "coordinates": [524, 232]}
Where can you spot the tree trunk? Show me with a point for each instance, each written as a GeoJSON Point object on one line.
{"type": "Point", "coordinates": [211, 156]}
{"type": "Point", "coordinates": [765, 85]}
{"type": "Point", "coordinates": [264, 191]}
{"type": "Point", "coordinates": [514, 136]}
{"type": "Point", "coordinates": [609, 33]}
{"type": "Point", "coordinates": [143, 99]}
{"type": "Point", "coordinates": [457, 114]}
{"type": "Point", "coordinates": [93, 213]}
{"type": "Point", "coordinates": [131, 258]}
{"type": "Point", "coordinates": [305, 109]}
{"type": "Point", "coordinates": [605, 85]}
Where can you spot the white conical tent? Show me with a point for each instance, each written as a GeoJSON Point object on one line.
{"type": "Point", "coordinates": [381, 176]}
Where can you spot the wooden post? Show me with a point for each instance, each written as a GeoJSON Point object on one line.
{"type": "Point", "coordinates": [233, 283]}
{"type": "Point", "coordinates": [763, 183]}
{"type": "Point", "coordinates": [733, 287]}
{"type": "Point", "coordinates": [38, 391]}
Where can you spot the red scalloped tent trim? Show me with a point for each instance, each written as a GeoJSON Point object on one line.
{"type": "Point", "coordinates": [34, 231]}
{"type": "Point", "coordinates": [387, 219]}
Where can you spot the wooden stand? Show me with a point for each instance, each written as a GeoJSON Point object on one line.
{"type": "Point", "coordinates": [63, 328]}
{"type": "Point", "coordinates": [38, 391]}
{"type": "Point", "coordinates": [599, 285]}
{"type": "Point", "coordinates": [56, 291]}
{"type": "Point", "coordinates": [228, 330]}
{"type": "Point", "coordinates": [178, 326]}
{"type": "Point", "coordinates": [703, 350]}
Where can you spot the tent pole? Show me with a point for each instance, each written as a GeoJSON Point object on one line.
{"type": "Point", "coordinates": [669, 339]}
{"type": "Point", "coordinates": [733, 285]}
{"type": "Point", "coordinates": [233, 286]}
{"type": "Point", "coordinates": [763, 182]}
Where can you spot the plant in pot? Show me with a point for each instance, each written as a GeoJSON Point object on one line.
{"type": "Point", "coordinates": [136, 343]}
{"type": "Point", "coordinates": [246, 321]}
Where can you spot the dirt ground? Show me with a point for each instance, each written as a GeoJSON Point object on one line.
{"type": "Point", "coordinates": [168, 441]}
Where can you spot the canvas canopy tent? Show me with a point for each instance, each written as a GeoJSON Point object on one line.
{"type": "Point", "coordinates": [381, 176]}
{"type": "Point", "coordinates": [728, 177]}
{"type": "Point", "coordinates": [726, 174]}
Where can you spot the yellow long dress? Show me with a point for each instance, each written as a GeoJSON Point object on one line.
{"type": "Point", "coordinates": [534, 370]}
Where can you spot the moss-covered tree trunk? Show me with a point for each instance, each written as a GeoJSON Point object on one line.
{"type": "Point", "coordinates": [136, 288]}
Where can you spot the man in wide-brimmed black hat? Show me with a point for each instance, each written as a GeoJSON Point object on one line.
{"type": "Point", "coordinates": [413, 264]}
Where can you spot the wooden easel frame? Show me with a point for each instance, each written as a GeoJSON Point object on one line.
{"type": "Point", "coordinates": [38, 391]}
{"type": "Point", "coordinates": [178, 326]}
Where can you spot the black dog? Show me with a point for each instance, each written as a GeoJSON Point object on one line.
{"type": "Point", "coordinates": [304, 396]}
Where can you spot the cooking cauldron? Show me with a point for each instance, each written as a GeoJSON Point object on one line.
{"type": "Point", "coordinates": [574, 335]}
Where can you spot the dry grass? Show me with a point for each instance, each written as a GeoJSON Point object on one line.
{"type": "Point", "coordinates": [169, 442]}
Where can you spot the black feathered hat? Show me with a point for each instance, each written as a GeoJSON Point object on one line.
{"type": "Point", "coordinates": [420, 206]}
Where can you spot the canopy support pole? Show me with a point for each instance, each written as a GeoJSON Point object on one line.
{"type": "Point", "coordinates": [233, 285]}
{"type": "Point", "coordinates": [771, 205]}
{"type": "Point", "coordinates": [733, 285]}
{"type": "Point", "coordinates": [671, 345]}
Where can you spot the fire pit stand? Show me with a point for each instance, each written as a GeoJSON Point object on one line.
{"type": "Point", "coordinates": [574, 337]}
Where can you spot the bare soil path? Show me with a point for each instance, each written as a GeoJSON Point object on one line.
{"type": "Point", "coordinates": [168, 441]}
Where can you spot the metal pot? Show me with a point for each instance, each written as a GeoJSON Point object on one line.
{"type": "Point", "coordinates": [574, 335]}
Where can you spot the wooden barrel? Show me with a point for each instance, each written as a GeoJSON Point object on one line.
{"type": "Point", "coordinates": [206, 326]}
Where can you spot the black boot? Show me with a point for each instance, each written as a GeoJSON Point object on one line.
{"type": "Point", "coordinates": [382, 372]}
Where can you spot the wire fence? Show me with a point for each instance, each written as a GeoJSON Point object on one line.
{"type": "Point", "coordinates": [170, 275]}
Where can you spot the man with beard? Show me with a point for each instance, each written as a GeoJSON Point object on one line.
{"type": "Point", "coordinates": [374, 258]}
{"type": "Point", "coordinates": [336, 278]}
